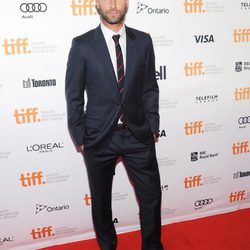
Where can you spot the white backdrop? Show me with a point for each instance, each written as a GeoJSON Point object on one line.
{"type": "Point", "coordinates": [202, 66]}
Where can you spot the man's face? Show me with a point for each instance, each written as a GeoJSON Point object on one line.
{"type": "Point", "coordinates": [112, 11]}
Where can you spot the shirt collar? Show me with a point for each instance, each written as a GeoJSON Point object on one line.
{"type": "Point", "coordinates": [109, 33]}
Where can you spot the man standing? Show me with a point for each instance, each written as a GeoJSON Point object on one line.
{"type": "Point", "coordinates": [115, 65]}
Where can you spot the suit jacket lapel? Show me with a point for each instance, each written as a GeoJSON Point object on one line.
{"type": "Point", "coordinates": [130, 48]}
{"type": "Point", "coordinates": [102, 53]}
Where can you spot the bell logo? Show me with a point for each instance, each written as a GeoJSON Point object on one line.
{"type": "Point", "coordinates": [194, 69]}
{"type": "Point", "coordinates": [26, 116]}
{"type": "Point", "coordinates": [237, 196]}
{"type": "Point", "coordinates": [240, 148]}
{"type": "Point", "coordinates": [193, 128]}
{"type": "Point", "coordinates": [87, 200]}
{"type": "Point", "coordinates": [16, 46]}
{"type": "Point", "coordinates": [194, 6]}
{"type": "Point", "coordinates": [42, 232]}
{"type": "Point", "coordinates": [242, 94]}
{"type": "Point", "coordinates": [241, 35]}
{"type": "Point", "coordinates": [193, 181]}
{"type": "Point", "coordinates": [161, 74]}
{"type": "Point", "coordinates": [32, 179]}
{"type": "Point", "coordinates": [83, 7]}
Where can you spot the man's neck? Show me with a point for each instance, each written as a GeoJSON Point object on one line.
{"type": "Point", "coordinates": [113, 27]}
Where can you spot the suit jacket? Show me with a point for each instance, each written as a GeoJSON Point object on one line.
{"type": "Point", "coordinates": [90, 69]}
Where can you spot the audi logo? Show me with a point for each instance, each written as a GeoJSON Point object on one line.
{"type": "Point", "coordinates": [244, 120]}
{"type": "Point", "coordinates": [203, 202]}
{"type": "Point", "coordinates": [33, 7]}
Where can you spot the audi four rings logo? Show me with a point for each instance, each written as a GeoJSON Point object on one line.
{"type": "Point", "coordinates": [244, 120]}
{"type": "Point", "coordinates": [33, 7]}
{"type": "Point", "coordinates": [203, 202]}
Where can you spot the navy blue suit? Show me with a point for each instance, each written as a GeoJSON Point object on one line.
{"type": "Point", "coordinates": [90, 70]}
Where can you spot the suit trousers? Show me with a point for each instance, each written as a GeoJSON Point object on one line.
{"type": "Point", "coordinates": [142, 168]}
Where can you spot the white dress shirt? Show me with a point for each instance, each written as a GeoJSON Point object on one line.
{"type": "Point", "coordinates": [111, 44]}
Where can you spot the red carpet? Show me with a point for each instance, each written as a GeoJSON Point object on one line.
{"type": "Point", "coordinates": [229, 231]}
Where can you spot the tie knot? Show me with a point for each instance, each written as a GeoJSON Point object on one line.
{"type": "Point", "coordinates": [116, 38]}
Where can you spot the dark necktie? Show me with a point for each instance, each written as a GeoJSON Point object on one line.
{"type": "Point", "coordinates": [120, 64]}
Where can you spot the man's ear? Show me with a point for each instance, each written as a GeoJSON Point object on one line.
{"type": "Point", "coordinates": [97, 4]}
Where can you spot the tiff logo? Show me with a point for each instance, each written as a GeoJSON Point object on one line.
{"type": "Point", "coordinates": [193, 181]}
{"type": "Point", "coordinates": [83, 7]}
{"type": "Point", "coordinates": [240, 148]}
{"type": "Point", "coordinates": [241, 35]}
{"type": "Point", "coordinates": [194, 69]}
{"type": "Point", "coordinates": [32, 179]}
{"type": "Point", "coordinates": [194, 6]}
{"type": "Point", "coordinates": [87, 200]}
{"type": "Point", "coordinates": [242, 94]}
{"type": "Point", "coordinates": [26, 116]}
{"type": "Point", "coordinates": [237, 196]}
{"type": "Point", "coordinates": [42, 232]}
{"type": "Point", "coordinates": [16, 46]}
{"type": "Point", "coordinates": [193, 128]}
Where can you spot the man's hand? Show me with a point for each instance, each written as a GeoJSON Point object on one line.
{"type": "Point", "coordinates": [156, 137]}
{"type": "Point", "coordinates": [82, 147]}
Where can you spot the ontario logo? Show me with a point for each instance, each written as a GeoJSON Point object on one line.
{"type": "Point", "coordinates": [141, 7]}
{"type": "Point", "coordinates": [49, 209]}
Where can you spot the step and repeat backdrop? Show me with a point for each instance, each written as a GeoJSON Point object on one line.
{"type": "Point", "coordinates": [202, 50]}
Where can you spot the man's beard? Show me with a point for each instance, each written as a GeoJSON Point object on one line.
{"type": "Point", "coordinates": [116, 20]}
